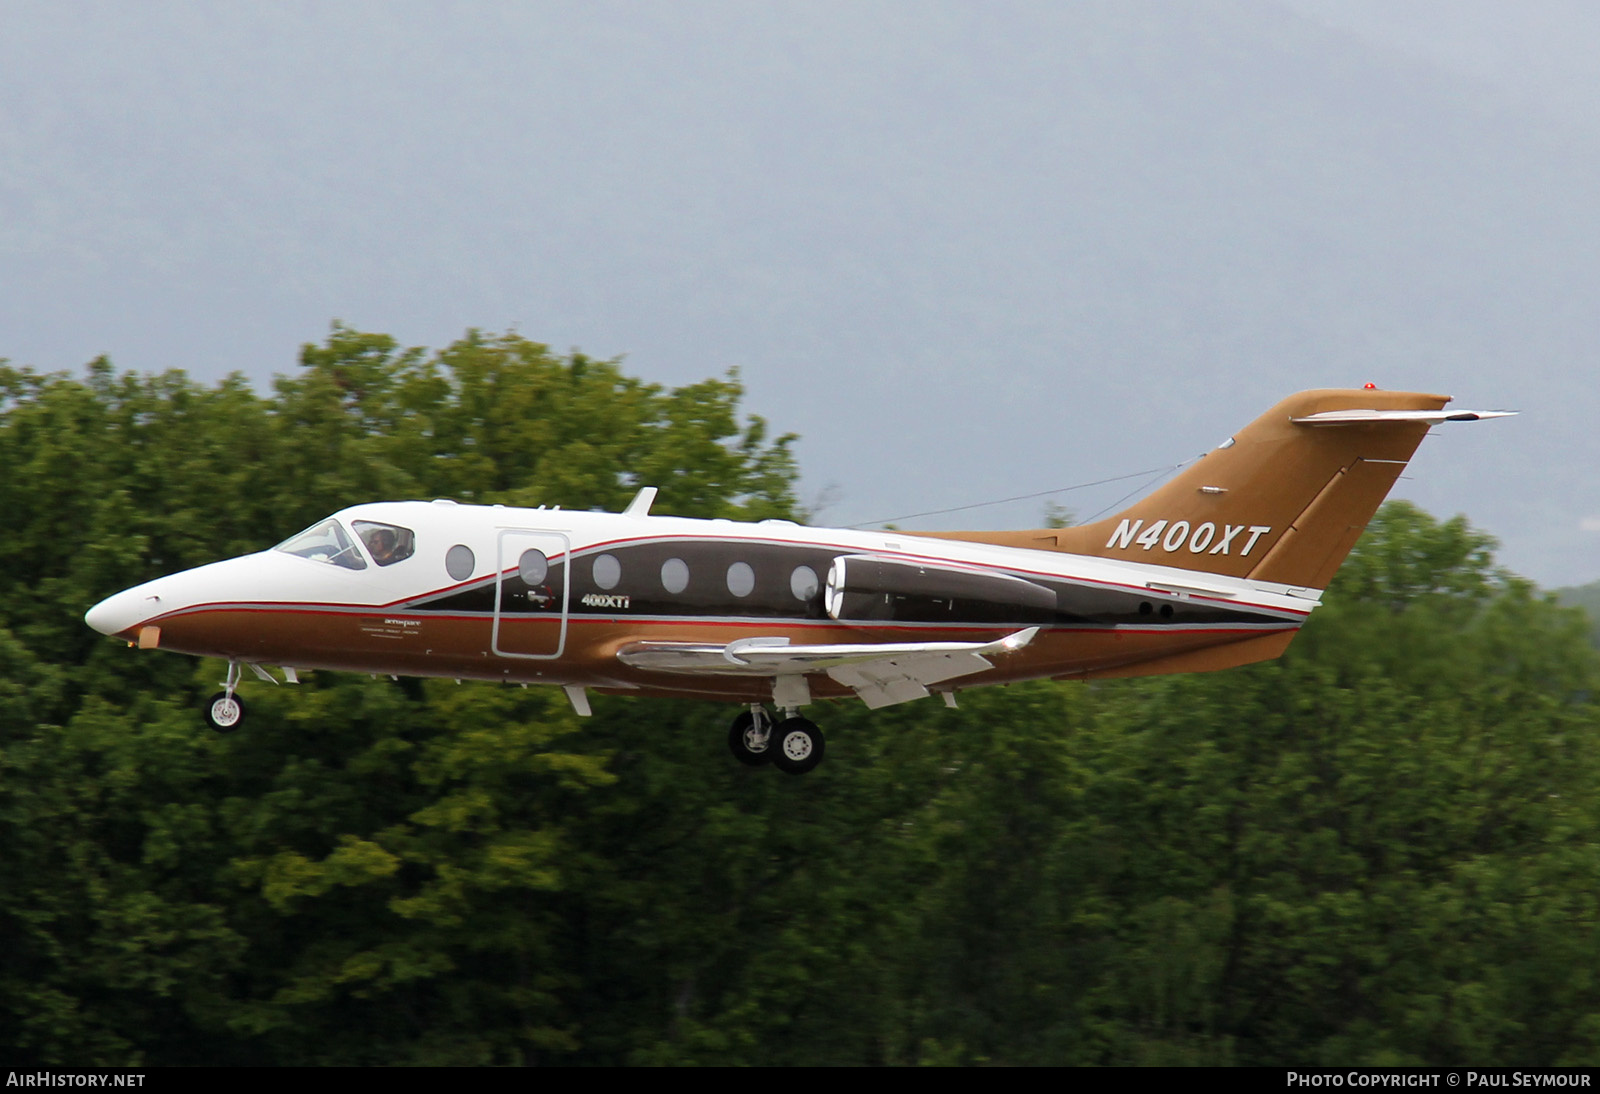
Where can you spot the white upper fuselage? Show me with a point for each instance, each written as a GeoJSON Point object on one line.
{"type": "Point", "coordinates": [273, 577]}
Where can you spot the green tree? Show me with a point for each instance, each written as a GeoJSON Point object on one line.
{"type": "Point", "coordinates": [498, 418]}
{"type": "Point", "coordinates": [376, 871]}
{"type": "Point", "coordinates": [1378, 849]}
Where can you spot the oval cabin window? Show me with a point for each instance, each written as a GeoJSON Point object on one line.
{"type": "Point", "coordinates": [533, 567]}
{"type": "Point", "coordinates": [803, 583]}
{"type": "Point", "coordinates": [607, 571]}
{"type": "Point", "coordinates": [459, 562]}
{"type": "Point", "coordinates": [741, 579]}
{"type": "Point", "coordinates": [674, 575]}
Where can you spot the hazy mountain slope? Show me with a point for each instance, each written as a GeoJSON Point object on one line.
{"type": "Point", "coordinates": [968, 252]}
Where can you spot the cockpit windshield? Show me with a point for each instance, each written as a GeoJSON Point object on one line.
{"type": "Point", "coordinates": [386, 543]}
{"type": "Point", "coordinates": [325, 542]}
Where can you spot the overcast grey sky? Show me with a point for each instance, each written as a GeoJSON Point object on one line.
{"type": "Point", "coordinates": [967, 250]}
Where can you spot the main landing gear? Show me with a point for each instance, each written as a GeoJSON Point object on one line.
{"type": "Point", "coordinates": [224, 711]}
{"type": "Point", "coordinates": [794, 746]}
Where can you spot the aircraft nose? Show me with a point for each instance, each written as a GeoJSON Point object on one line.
{"type": "Point", "coordinates": [124, 611]}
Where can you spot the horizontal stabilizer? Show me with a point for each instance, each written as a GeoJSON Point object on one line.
{"type": "Point", "coordinates": [1427, 417]}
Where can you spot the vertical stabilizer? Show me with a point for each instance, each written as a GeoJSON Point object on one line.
{"type": "Point", "coordinates": [1283, 500]}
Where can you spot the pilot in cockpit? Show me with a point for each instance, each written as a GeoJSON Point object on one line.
{"type": "Point", "coordinates": [386, 543]}
{"type": "Point", "coordinates": [383, 544]}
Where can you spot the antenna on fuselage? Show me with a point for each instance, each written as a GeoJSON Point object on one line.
{"type": "Point", "coordinates": [640, 505]}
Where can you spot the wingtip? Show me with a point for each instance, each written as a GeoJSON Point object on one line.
{"type": "Point", "coordinates": [1479, 415]}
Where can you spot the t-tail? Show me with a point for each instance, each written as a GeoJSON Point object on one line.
{"type": "Point", "coordinates": [1282, 500]}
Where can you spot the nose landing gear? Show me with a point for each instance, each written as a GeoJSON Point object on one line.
{"type": "Point", "coordinates": [224, 711]}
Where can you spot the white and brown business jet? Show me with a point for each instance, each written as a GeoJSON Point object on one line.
{"type": "Point", "coordinates": [1219, 567]}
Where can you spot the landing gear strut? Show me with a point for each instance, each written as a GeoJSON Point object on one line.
{"type": "Point", "coordinates": [750, 736]}
{"type": "Point", "coordinates": [224, 711]}
{"type": "Point", "coordinates": [794, 746]}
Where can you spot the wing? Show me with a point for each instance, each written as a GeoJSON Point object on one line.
{"type": "Point", "coordinates": [882, 674]}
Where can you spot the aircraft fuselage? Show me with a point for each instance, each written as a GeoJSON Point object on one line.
{"type": "Point", "coordinates": [552, 597]}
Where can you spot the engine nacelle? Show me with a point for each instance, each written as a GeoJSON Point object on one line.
{"type": "Point", "coordinates": [872, 587]}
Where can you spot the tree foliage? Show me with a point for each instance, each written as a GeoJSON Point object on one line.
{"type": "Point", "coordinates": [1587, 599]}
{"type": "Point", "coordinates": [1378, 849]}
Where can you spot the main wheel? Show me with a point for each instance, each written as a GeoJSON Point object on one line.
{"type": "Point", "coordinates": [744, 739]}
{"type": "Point", "coordinates": [797, 746]}
{"type": "Point", "coordinates": [223, 712]}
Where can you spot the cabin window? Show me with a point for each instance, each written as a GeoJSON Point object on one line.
{"type": "Point", "coordinates": [386, 543]}
{"type": "Point", "coordinates": [459, 562]}
{"type": "Point", "coordinates": [803, 583]}
{"type": "Point", "coordinates": [325, 542]}
{"type": "Point", "coordinates": [533, 567]}
{"type": "Point", "coordinates": [674, 575]}
{"type": "Point", "coordinates": [741, 579]}
{"type": "Point", "coordinates": [607, 571]}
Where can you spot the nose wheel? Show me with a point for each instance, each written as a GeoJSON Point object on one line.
{"type": "Point", "coordinates": [224, 711]}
